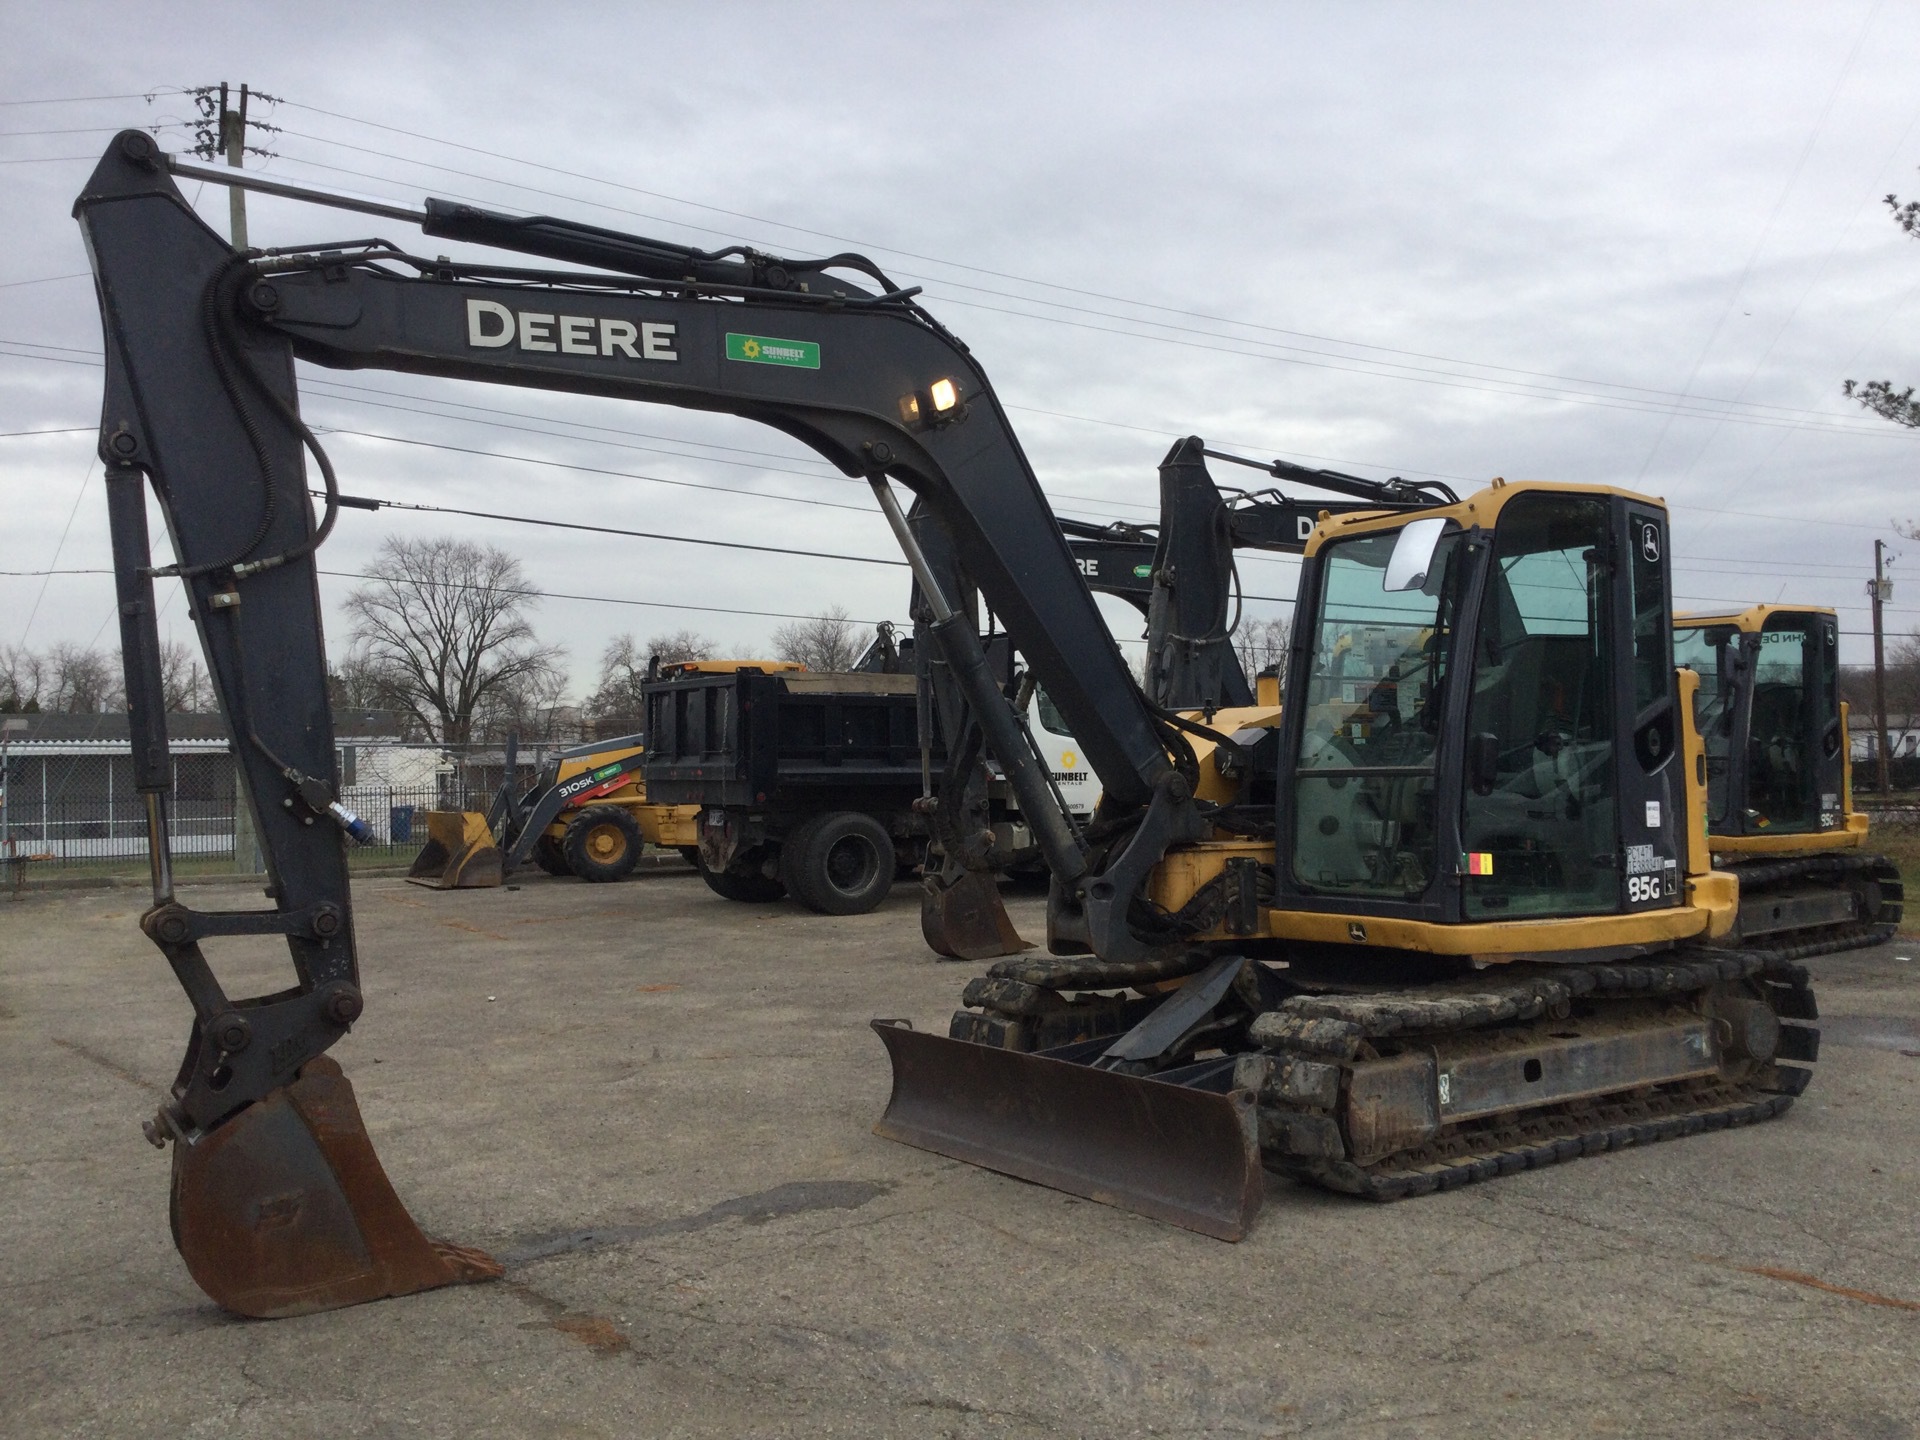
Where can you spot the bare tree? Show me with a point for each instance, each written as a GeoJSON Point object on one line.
{"type": "Point", "coordinates": [443, 627]}
{"type": "Point", "coordinates": [79, 680]}
{"type": "Point", "coordinates": [532, 706]}
{"type": "Point", "coordinates": [185, 686]}
{"type": "Point", "coordinates": [1263, 643]}
{"type": "Point", "coordinates": [829, 642]}
{"type": "Point", "coordinates": [23, 675]}
{"type": "Point", "coordinates": [623, 670]}
{"type": "Point", "coordinates": [1880, 396]}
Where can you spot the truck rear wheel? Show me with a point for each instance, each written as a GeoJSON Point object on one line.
{"type": "Point", "coordinates": [839, 864]}
{"type": "Point", "coordinates": [548, 855]}
{"type": "Point", "coordinates": [602, 843]}
{"type": "Point", "coordinates": [750, 889]}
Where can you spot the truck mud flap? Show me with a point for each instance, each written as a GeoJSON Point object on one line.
{"type": "Point", "coordinates": [1183, 1154]}
{"type": "Point", "coordinates": [459, 853]}
{"type": "Point", "coordinates": [285, 1210]}
{"type": "Point", "coordinates": [964, 918]}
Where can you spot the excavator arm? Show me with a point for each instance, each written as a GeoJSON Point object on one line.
{"type": "Point", "coordinates": [1181, 573]}
{"type": "Point", "coordinates": [201, 403]}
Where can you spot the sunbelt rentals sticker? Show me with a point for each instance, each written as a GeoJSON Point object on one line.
{"type": "Point", "coordinates": [765, 350]}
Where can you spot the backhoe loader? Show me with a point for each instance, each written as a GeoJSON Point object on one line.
{"type": "Point", "coordinates": [1443, 917]}
{"type": "Point", "coordinates": [586, 813]}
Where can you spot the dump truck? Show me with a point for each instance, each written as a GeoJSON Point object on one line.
{"type": "Point", "coordinates": [1450, 913]}
{"type": "Point", "coordinates": [808, 784]}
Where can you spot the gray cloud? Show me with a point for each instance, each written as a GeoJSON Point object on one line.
{"type": "Point", "coordinates": [1410, 226]}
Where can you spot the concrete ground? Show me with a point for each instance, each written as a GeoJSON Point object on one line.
{"type": "Point", "coordinates": [693, 1082]}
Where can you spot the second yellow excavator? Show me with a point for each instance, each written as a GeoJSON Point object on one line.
{"type": "Point", "coordinates": [1780, 814]}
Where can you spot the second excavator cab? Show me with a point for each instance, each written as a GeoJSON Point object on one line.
{"type": "Point", "coordinates": [1780, 813]}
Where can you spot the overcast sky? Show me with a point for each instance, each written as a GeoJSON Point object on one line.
{"type": "Point", "coordinates": [1636, 245]}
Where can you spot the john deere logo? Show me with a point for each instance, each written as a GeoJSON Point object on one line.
{"type": "Point", "coordinates": [764, 350]}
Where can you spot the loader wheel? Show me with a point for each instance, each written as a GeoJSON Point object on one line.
{"type": "Point", "coordinates": [839, 864]}
{"type": "Point", "coordinates": [548, 855]}
{"type": "Point", "coordinates": [602, 843]}
{"type": "Point", "coordinates": [752, 889]}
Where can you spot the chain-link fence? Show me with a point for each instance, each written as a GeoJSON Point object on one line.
{"type": "Point", "coordinates": [73, 807]}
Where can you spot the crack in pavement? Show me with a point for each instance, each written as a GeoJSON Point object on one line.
{"type": "Point", "coordinates": [111, 1066]}
{"type": "Point", "coordinates": [794, 1198]}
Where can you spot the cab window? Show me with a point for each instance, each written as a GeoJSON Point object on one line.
{"type": "Point", "coordinates": [1364, 816]}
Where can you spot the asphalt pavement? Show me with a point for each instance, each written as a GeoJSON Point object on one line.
{"type": "Point", "coordinates": [656, 1106]}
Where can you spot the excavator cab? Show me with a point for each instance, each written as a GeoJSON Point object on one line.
{"type": "Point", "coordinates": [1780, 814]}
{"type": "Point", "coordinates": [1485, 728]}
{"type": "Point", "coordinates": [1771, 718]}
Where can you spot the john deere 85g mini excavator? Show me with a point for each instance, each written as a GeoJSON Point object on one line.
{"type": "Point", "coordinates": [1447, 919]}
{"type": "Point", "coordinates": [1780, 812]}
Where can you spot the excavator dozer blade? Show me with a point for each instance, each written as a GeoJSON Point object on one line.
{"type": "Point", "coordinates": [284, 1209]}
{"type": "Point", "coordinates": [1186, 1156]}
{"type": "Point", "coordinates": [459, 853]}
{"type": "Point", "coordinates": [964, 918]}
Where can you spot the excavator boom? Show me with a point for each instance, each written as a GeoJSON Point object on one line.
{"type": "Point", "coordinates": [279, 1203]}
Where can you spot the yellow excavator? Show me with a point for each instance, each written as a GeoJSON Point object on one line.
{"type": "Point", "coordinates": [1780, 813]}
{"type": "Point", "coordinates": [1449, 913]}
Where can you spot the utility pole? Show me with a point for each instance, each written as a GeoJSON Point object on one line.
{"type": "Point", "coordinates": [1881, 589]}
{"type": "Point", "coordinates": [233, 140]}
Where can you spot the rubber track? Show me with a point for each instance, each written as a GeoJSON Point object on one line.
{"type": "Point", "coordinates": [1550, 1135]}
{"type": "Point", "coordinates": [1759, 876]}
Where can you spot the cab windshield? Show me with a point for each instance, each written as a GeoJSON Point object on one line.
{"type": "Point", "coordinates": [1364, 806]}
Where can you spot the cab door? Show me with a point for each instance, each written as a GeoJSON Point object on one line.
{"type": "Point", "coordinates": [1653, 825]}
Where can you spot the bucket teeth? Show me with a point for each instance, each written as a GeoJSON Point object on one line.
{"type": "Point", "coordinates": [285, 1210]}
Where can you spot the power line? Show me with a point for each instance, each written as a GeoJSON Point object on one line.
{"type": "Point", "coordinates": [148, 95]}
{"type": "Point", "coordinates": [44, 280]}
{"type": "Point", "coordinates": [528, 593]}
{"type": "Point", "coordinates": [597, 470]}
{"type": "Point", "coordinates": [1690, 407]}
{"type": "Point", "coordinates": [383, 504]}
{"type": "Point", "coordinates": [933, 259]}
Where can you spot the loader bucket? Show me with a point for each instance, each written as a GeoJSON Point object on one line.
{"type": "Point", "coordinates": [284, 1209]}
{"type": "Point", "coordinates": [964, 919]}
{"type": "Point", "coordinates": [1187, 1156]}
{"type": "Point", "coordinates": [459, 853]}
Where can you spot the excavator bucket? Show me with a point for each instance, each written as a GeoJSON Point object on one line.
{"type": "Point", "coordinates": [284, 1209]}
{"type": "Point", "coordinates": [1185, 1155]}
{"type": "Point", "coordinates": [964, 919]}
{"type": "Point", "coordinates": [459, 853]}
